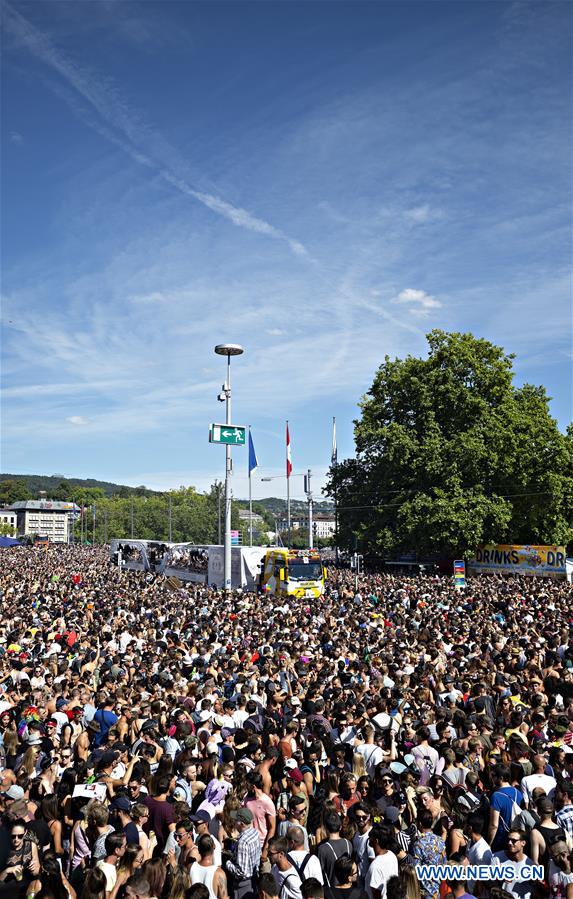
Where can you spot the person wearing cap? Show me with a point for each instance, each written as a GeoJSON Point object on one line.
{"type": "Point", "coordinates": [60, 714]}
{"type": "Point", "coordinates": [245, 862]}
{"type": "Point", "coordinates": [546, 832]}
{"type": "Point", "coordinates": [202, 823]}
{"type": "Point", "coordinates": [121, 805]}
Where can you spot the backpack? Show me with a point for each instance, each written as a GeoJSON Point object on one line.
{"type": "Point", "coordinates": [299, 868]}
{"type": "Point", "coordinates": [463, 801]}
{"type": "Point", "coordinates": [515, 811]}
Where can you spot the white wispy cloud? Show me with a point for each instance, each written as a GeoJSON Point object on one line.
{"type": "Point", "coordinates": [420, 302]}
{"type": "Point", "coordinates": [420, 215]}
{"type": "Point", "coordinates": [126, 129]}
{"type": "Point", "coordinates": [15, 137]}
{"type": "Point", "coordinates": [78, 420]}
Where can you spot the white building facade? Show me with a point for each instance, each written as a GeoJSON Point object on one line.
{"type": "Point", "coordinates": [49, 518]}
{"type": "Point", "coordinates": [7, 516]}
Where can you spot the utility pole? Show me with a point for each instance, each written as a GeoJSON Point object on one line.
{"type": "Point", "coordinates": [308, 492]}
{"type": "Point", "coordinates": [219, 514]}
{"type": "Point", "coordinates": [170, 521]}
{"type": "Point", "coordinates": [94, 524]}
{"type": "Point", "coordinates": [105, 525]}
{"type": "Point", "coordinates": [131, 516]}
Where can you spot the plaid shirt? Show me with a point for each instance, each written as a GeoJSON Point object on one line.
{"type": "Point", "coordinates": [248, 855]}
{"type": "Point", "coordinates": [565, 819]}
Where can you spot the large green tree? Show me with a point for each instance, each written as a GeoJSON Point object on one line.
{"type": "Point", "coordinates": [450, 454]}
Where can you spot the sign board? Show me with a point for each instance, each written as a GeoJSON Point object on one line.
{"type": "Point", "coordinates": [235, 538]}
{"type": "Point", "coordinates": [543, 561]}
{"type": "Point", "coordinates": [231, 435]}
{"type": "Point", "coordinates": [459, 574]}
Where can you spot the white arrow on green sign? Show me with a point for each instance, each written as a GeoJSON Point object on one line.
{"type": "Point", "coordinates": [232, 435]}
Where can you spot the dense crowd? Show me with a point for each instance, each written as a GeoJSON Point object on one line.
{"type": "Point", "coordinates": [166, 743]}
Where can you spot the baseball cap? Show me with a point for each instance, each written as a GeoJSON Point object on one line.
{"type": "Point", "coordinates": [15, 792]}
{"type": "Point", "coordinates": [228, 732]}
{"type": "Point", "coordinates": [295, 775]}
{"type": "Point", "coordinates": [243, 815]}
{"type": "Point", "coordinates": [61, 702]}
{"type": "Point", "coordinates": [391, 814]}
{"type": "Point", "coordinates": [203, 816]}
{"type": "Point", "coordinates": [121, 803]}
{"type": "Point", "coordinates": [290, 764]}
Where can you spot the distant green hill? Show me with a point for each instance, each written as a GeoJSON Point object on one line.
{"type": "Point", "coordinates": [57, 486]}
{"type": "Point", "coordinates": [51, 483]}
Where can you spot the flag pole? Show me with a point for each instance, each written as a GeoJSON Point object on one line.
{"type": "Point", "coordinates": [334, 463]}
{"type": "Point", "coordinates": [250, 495]}
{"type": "Point", "coordinates": [288, 484]}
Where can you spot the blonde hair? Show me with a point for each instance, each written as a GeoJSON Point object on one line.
{"type": "Point", "coordinates": [358, 765]}
{"type": "Point", "coordinates": [411, 882]}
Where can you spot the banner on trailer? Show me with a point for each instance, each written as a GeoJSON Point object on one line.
{"type": "Point", "coordinates": [544, 561]}
{"type": "Point", "coordinates": [459, 574]}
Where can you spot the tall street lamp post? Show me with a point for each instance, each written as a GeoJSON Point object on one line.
{"type": "Point", "coordinates": [228, 350]}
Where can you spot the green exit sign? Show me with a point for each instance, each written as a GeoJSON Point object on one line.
{"type": "Point", "coordinates": [232, 435]}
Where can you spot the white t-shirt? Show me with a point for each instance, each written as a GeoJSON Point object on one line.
{"type": "Point", "coordinates": [312, 867]}
{"type": "Point", "coordinates": [372, 756]}
{"type": "Point", "coordinates": [110, 872]}
{"type": "Point", "coordinates": [558, 881]}
{"type": "Point", "coordinates": [529, 783]}
{"type": "Point", "coordinates": [364, 852]}
{"type": "Point", "coordinates": [379, 873]}
{"type": "Point", "coordinates": [521, 889]}
{"type": "Point", "coordinates": [288, 883]}
{"type": "Point", "coordinates": [478, 853]}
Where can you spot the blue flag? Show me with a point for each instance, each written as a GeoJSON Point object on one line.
{"type": "Point", "coordinates": [252, 455]}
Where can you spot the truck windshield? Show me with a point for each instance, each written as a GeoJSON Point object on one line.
{"type": "Point", "coordinates": [301, 571]}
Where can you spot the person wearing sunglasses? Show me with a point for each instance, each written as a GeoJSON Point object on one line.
{"type": "Point", "coordinates": [23, 862]}
{"type": "Point", "coordinates": [346, 874]}
{"type": "Point", "coordinates": [515, 856]}
{"type": "Point", "coordinates": [363, 851]}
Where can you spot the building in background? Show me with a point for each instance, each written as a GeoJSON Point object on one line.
{"type": "Point", "coordinates": [50, 518]}
{"type": "Point", "coordinates": [9, 517]}
{"type": "Point", "coordinates": [323, 526]}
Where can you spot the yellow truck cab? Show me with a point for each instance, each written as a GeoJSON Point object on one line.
{"type": "Point", "coordinates": [292, 572]}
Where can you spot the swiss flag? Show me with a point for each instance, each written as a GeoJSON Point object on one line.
{"type": "Point", "coordinates": [288, 456]}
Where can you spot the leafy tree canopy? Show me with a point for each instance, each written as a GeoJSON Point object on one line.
{"type": "Point", "coordinates": [450, 454]}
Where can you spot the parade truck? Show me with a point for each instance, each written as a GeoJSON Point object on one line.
{"type": "Point", "coordinates": [292, 572]}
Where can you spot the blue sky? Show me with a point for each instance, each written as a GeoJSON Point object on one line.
{"type": "Point", "coordinates": [321, 182]}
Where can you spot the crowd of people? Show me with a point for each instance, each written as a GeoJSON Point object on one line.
{"type": "Point", "coordinates": [166, 743]}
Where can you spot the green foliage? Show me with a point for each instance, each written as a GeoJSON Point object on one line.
{"type": "Point", "coordinates": [12, 491]}
{"type": "Point", "coordinates": [449, 454]}
{"type": "Point", "coordinates": [7, 530]}
{"type": "Point", "coordinates": [193, 516]}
